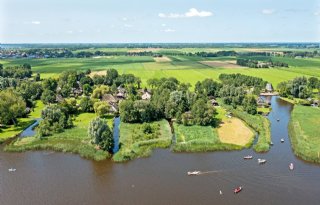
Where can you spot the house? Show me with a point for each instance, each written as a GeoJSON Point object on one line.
{"type": "Point", "coordinates": [121, 93]}
{"type": "Point", "coordinates": [214, 102]}
{"type": "Point", "coordinates": [109, 98]}
{"type": "Point", "coordinates": [269, 87]}
{"type": "Point", "coordinates": [146, 96]}
{"type": "Point", "coordinates": [59, 98]}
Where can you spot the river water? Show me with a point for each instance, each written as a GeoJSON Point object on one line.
{"type": "Point", "coordinates": [57, 178]}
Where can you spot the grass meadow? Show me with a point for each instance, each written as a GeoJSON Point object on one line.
{"type": "Point", "coordinates": [134, 143]}
{"type": "Point", "coordinates": [184, 68]}
{"type": "Point", "coordinates": [304, 132]}
{"type": "Point", "coordinates": [74, 140]}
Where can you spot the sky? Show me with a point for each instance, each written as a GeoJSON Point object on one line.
{"type": "Point", "coordinates": [159, 21]}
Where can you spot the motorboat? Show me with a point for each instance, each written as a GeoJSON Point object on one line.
{"type": "Point", "coordinates": [282, 140]}
{"type": "Point", "coordinates": [194, 173]}
{"type": "Point", "coordinates": [278, 119]}
{"type": "Point", "coordinates": [12, 170]}
{"type": "Point", "coordinates": [248, 157]}
{"type": "Point", "coordinates": [262, 161]}
{"type": "Point", "coordinates": [237, 190]}
{"type": "Point", "coordinates": [271, 143]}
{"type": "Point", "coordinates": [291, 167]}
{"type": "Point", "coordinates": [220, 192]}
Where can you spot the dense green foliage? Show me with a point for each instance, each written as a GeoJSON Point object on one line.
{"type": "Point", "coordinates": [55, 120]}
{"type": "Point", "coordinates": [101, 134]}
{"type": "Point", "coordinates": [12, 106]}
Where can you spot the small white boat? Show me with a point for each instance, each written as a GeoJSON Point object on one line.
{"type": "Point", "coordinates": [291, 167]}
{"type": "Point", "coordinates": [271, 143]}
{"type": "Point", "coordinates": [248, 157]}
{"type": "Point", "coordinates": [282, 140]}
{"type": "Point", "coordinates": [262, 161]}
{"type": "Point", "coordinates": [278, 119]}
{"type": "Point", "coordinates": [12, 170]}
{"type": "Point", "coordinates": [220, 192]}
{"type": "Point", "coordinates": [194, 173]}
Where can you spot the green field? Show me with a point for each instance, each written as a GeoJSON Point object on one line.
{"type": "Point", "coordinates": [134, 143]}
{"type": "Point", "coordinates": [199, 139]}
{"type": "Point", "coordinates": [74, 140]}
{"type": "Point", "coordinates": [184, 68]}
{"type": "Point", "coordinates": [304, 132]}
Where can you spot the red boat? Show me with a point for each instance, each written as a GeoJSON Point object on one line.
{"type": "Point", "coordinates": [237, 190]}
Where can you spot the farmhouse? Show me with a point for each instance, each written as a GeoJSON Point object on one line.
{"type": "Point", "coordinates": [146, 96]}
{"type": "Point", "coordinates": [269, 87]}
{"type": "Point", "coordinates": [213, 102]}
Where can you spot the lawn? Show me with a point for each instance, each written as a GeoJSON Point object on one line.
{"type": "Point", "coordinates": [74, 140]}
{"type": "Point", "coordinates": [199, 139]}
{"type": "Point", "coordinates": [304, 132]}
{"type": "Point", "coordinates": [135, 142]}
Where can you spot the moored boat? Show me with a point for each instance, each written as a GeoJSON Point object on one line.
{"type": "Point", "coordinates": [237, 190]}
{"type": "Point", "coordinates": [194, 173]}
{"type": "Point", "coordinates": [12, 170]}
{"type": "Point", "coordinates": [248, 157]}
{"type": "Point", "coordinates": [291, 167]}
{"type": "Point", "coordinates": [262, 161]}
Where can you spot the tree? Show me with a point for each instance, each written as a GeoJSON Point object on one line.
{"type": "Point", "coordinates": [313, 82]}
{"type": "Point", "coordinates": [101, 134]}
{"type": "Point", "coordinates": [99, 91]}
{"type": "Point", "coordinates": [50, 84]}
{"type": "Point", "coordinates": [101, 108]}
{"type": "Point", "coordinates": [48, 96]}
{"type": "Point", "coordinates": [203, 113]}
{"type": "Point", "coordinates": [55, 119]}
{"type": "Point", "coordinates": [86, 104]}
{"type": "Point", "coordinates": [37, 77]}
{"type": "Point", "coordinates": [12, 106]}
{"type": "Point", "coordinates": [250, 104]}
{"type": "Point", "coordinates": [87, 89]}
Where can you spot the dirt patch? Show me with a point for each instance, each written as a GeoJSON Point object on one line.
{"type": "Point", "coordinates": [234, 131]}
{"type": "Point", "coordinates": [162, 59]}
{"type": "Point", "coordinates": [221, 64]}
{"type": "Point", "coordinates": [93, 73]}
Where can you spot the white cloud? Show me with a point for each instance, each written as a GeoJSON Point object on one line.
{"type": "Point", "coordinates": [191, 13]}
{"type": "Point", "coordinates": [268, 11]}
{"type": "Point", "coordinates": [163, 25]}
{"type": "Point", "coordinates": [317, 13]}
{"type": "Point", "coordinates": [124, 19]}
{"type": "Point", "coordinates": [169, 30]}
{"type": "Point", "coordinates": [128, 25]}
{"type": "Point", "coordinates": [70, 32]}
{"type": "Point", "coordinates": [35, 22]}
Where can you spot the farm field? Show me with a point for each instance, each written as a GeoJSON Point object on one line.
{"type": "Point", "coordinates": [184, 68]}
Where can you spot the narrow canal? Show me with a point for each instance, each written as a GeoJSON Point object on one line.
{"type": "Point", "coordinates": [57, 178]}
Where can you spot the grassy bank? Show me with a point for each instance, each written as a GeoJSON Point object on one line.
{"type": "Point", "coordinates": [74, 140]}
{"type": "Point", "coordinates": [304, 132]}
{"type": "Point", "coordinates": [136, 142]}
{"type": "Point", "coordinates": [199, 139]}
{"type": "Point", "coordinates": [257, 122]}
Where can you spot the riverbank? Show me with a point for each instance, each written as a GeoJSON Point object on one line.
{"type": "Point", "coordinates": [257, 122]}
{"type": "Point", "coordinates": [138, 140]}
{"type": "Point", "coordinates": [74, 140]}
{"type": "Point", "coordinates": [304, 133]}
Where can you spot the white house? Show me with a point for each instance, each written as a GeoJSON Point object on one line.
{"type": "Point", "coordinates": [146, 96]}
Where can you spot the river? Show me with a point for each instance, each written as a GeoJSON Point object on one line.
{"type": "Point", "coordinates": [57, 178]}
